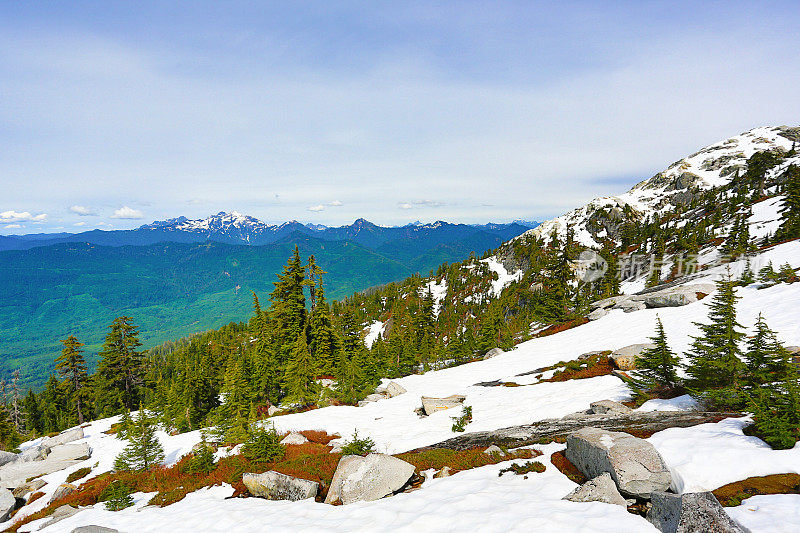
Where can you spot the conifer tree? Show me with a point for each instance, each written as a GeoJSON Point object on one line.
{"type": "Point", "coordinates": [790, 206]}
{"type": "Point", "coordinates": [121, 368]}
{"type": "Point", "coordinates": [71, 366]}
{"type": "Point", "coordinates": [656, 367]}
{"type": "Point", "coordinates": [144, 450]}
{"type": "Point", "coordinates": [714, 364]}
{"type": "Point", "coordinates": [33, 413]}
{"type": "Point", "coordinates": [325, 343]}
{"type": "Point", "coordinates": [288, 310]}
{"type": "Point", "coordinates": [299, 378]}
{"type": "Point", "coordinates": [236, 387]}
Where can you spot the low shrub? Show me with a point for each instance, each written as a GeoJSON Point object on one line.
{"type": "Point", "coordinates": [358, 446]}
{"type": "Point", "coordinates": [78, 474]}
{"type": "Point", "coordinates": [733, 494]}
{"type": "Point", "coordinates": [460, 422]}
{"type": "Point", "coordinates": [117, 496]}
{"type": "Point", "coordinates": [263, 445]}
{"type": "Point", "coordinates": [523, 468]}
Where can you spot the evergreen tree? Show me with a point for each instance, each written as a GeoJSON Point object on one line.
{"type": "Point", "coordinates": [764, 357]}
{"type": "Point", "coordinates": [790, 206]}
{"type": "Point", "coordinates": [144, 450]}
{"type": "Point", "coordinates": [288, 310]}
{"type": "Point", "coordinates": [656, 367]}
{"type": "Point", "coordinates": [71, 366]}
{"type": "Point", "coordinates": [325, 343]}
{"type": "Point", "coordinates": [236, 388]}
{"type": "Point", "coordinates": [121, 369]}
{"type": "Point", "coordinates": [299, 378]}
{"type": "Point", "coordinates": [714, 360]}
{"type": "Point", "coordinates": [33, 413]}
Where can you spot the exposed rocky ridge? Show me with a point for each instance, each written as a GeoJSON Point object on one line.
{"type": "Point", "coordinates": [552, 429]}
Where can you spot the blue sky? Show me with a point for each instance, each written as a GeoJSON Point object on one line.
{"type": "Point", "coordinates": [113, 114]}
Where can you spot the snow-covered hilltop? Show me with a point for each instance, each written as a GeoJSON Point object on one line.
{"type": "Point", "coordinates": [712, 166]}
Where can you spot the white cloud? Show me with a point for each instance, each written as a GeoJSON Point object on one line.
{"type": "Point", "coordinates": [420, 203]}
{"type": "Point", "coordinates": [127, 213]}
{"type": "Point", "coordinates": [82, 210]}
{"type": "Point", "coordinates": [79, 224]}
{"type": "Point", "coordinates": [336, 203]}
{"type": "Point", "coordinates": [315, 208]}
{"type": "Point", "coordinates": [12, 226]}
{"type": "Point", "coordinates": [21, 216]}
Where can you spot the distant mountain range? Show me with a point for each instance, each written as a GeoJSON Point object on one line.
{"type": "Point", "coordinates": [182, 276]}
{"type": "Point", "coordinates": [236, 228]}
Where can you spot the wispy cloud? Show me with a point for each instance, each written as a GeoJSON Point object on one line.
{"type": "Point", "coordinates": [317, 208]}
{"type": "Point", "coordinates": [127, 213]}
{"type": "Point", "coordinates": [21, 216]}
{"type": "Point", "coordinates": [82, 210]}
{"type": "Point", "coordinates": [418, 204]}
{"type": "Point", "coordinates": [13, 226]}
{"type": "Point", "coordinates": [336, 203]}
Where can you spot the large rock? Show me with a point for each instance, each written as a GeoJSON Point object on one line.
{"type": "Point", "coordinates": [63, 490]}
{"type": "Point", "coordinates": [629, 306]}
{"type": "Point", "coordinates": [599, 489]}
{"type": "Point", "coordinates": [94, 529]}
{"type": "Point", "coordinates": [368, 478]}
{"type": "Point", "coordinates": [608, 302]}
{"type": "Point", "coordinates": [30, 486]}
{"type": "Point", "coordinates": [597, 314]}
{"type": "Point", "coordinates": [276, 486]}
{"type": "Point", "coordinates": [64, 437]}
{"type": "Point", "coordinates": [7, 457]}
{"type": "Point", "coordinates": [65, 511]}
{"type": "Point", "coordinates": [394, 389]}
{"type": "Point", "coordinates": [59, 458]}
{"type": "Point", "coordinates": [294, 438]}
{"type": "Point", "coordinates": [625, 357]}
{"type": "Point", "coordinates": [34, 453]}
{"type": "Point", "coordinates": [634, 463]}
{"type": "Point", "coordinates": [494, 352]}
{"type": "Point", "coordinates": [431, 405]}
{"type": "Point", "coordinates": [7, 504]}
{"type": "Point", "coordinates": [670, 299]}
{"type": "Point", "coordinates": [609, 407]}
{"type": "Point", "coordinates": [697, 512]}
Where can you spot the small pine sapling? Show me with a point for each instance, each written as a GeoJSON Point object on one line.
{"type": "Point", "coordinates": [358, 445]}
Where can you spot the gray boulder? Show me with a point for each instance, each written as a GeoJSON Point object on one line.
{"type": "Point", "coordinates": [94, 529]}
{"type": "Point", "coordinates": [599, 489]}
{"type": "Point", "coordinates": [34, 453]}
{"type": "Point", "coordinates": [608, 302]}
{"type": "Point", "coordinates": [493, 450]}
{"type": "Point", "coordinates": [670, 299]}
{"type": "Point", "coordinates": [368, 478]}
{"type": "Point", "coordinates": [625, 357]}
{"type": "Point", "coordinates": [65, 511]}
{"type": "Point", "coordinates": [276, 486]}
{"type": "Point", "coordinates": [630, 306]}
{"type": "Point", "coordinates": [494, 352]}
{"type": "Point", "coordinates": [394, 389]}
{"type": "Point", "coordinates": [64, 437]}
{"type": "Point", "coordinates": [430, 405]}
{"type": "Point", "coordinates": [294, 438]}
{"type": "Point", "coordinates": [60, 457]}
{"type": "Point", "coordinates": [374, 397]}
{"type": "Point", "coordinates": [634, 463]}
{"type": "Point", "coordinates": [697, 512]}
{"type": "Point", "coordinates": [30, 486]}
{"type": "Point", "coordinates": [609, 407]}
{"type": "Point", "coordinates": [7, 457]}
{"type": "Point", "coordinates": [7, 504]}
{"type": "Point", "coordinates": [63, 490]}
{"type": "Point", "coordinates": [597, 314]}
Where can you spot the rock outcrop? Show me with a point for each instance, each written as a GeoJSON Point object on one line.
{"type": "Point", "coordinates": [94, 529]}
{"type": "Point", "coordinates": [635, 465]}
{"type": "Point", "coordinates": [609, 406]}
{"type": "Point", "coordinates": [7, 504]}
{"type": "Point", "coordinates": [276, 486]}
{"type": "Point", "coordinates": [625, 357]}
{"type": "Point", "coordinates": [59, 457]}
{"type": "Point", "coordinates": [431, 405]}
{"type": "Point", "coordinates": [690, 513]}
{"type": "Point", "coordinates": [494, 352]}
{"type": "Point", "coordinates": [652, 298]}
{"type": "Point", "coordinates": [599, 489]}
{"type": "Point", "coordinates": [557, 428]}
{"type": "Point", "coordinates": [368, 478]}
{"type": "Point", "coordinates": [294, 438]}
{"type": "Point", "coordinates": [65, 437]}
{"type": "Point", "coordinates": [62, 490]}
{"type": "Point", "coordinates": [30, 486]}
